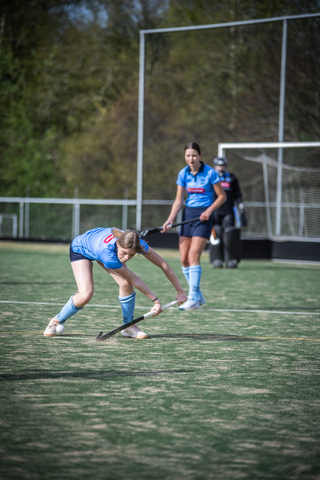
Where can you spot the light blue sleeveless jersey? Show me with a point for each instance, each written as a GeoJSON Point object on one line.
{"type": "Point", "coordinates": [99, 244]}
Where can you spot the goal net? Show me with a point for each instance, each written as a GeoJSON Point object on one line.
{"type": "Point", "coordinates": [280, 187]}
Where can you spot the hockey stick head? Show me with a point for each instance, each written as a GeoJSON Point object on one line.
{"type": "Point", "coordinates": [99, 335]}
{"type": "Point", "coordinates": [144, 233]}
{"type": "Point", "coordinates": [102, 338]}
{"type": "Point", "coordinates": [214, 240]}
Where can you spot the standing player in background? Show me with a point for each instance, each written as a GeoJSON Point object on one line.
{"type": "Point", "coordinates": [202, 184]}
{"type": "Point", "coordinates": [112, 249]}
{"type": "Point", "coordinates": [226, 246]}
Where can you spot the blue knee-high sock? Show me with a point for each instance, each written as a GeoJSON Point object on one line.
{"type": "Point", "coordinates": [127, 305]}
{"type": "Point", "coordinates": [185, 271]}
{"type": "Point", "coordinates": [194, 282]}
{"type": "Point", "coordinates": [67, 311]}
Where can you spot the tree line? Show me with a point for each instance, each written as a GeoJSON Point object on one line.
{"type": "Point", "coordinates": [69, 75]}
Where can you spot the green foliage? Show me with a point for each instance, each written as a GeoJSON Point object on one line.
{"type": "Point", "coordinates": [69, 73]}
{"type": "Point", "coordinates": [28, 156]}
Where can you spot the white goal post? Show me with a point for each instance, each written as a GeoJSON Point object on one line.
{"type": "Point", "coordinates": [223, 146]}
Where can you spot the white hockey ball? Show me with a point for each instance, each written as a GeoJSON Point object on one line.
{"type": "Point", "coordinates": [60, 329]}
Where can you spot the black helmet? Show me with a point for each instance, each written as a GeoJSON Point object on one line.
{"type": "Point", "coordinates": [221, 161]}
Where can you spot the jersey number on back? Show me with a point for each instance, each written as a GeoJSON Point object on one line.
{"type": "Point", "coordinates": [108, 238]}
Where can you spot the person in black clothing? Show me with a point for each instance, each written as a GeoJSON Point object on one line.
{"type": "Point", "coordinates": [225, 240]}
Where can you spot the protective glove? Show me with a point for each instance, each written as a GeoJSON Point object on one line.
{"type": "Point", "coordinates": [242, 214]}
{"type": "Point", "coordinates": [241, 206]}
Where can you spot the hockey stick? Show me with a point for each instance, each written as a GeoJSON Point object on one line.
{"type": "Point", "coordinates": [100, 337]}
{"type": "Point", "coordinates": [143, 233]}
{"type": "Point", "coordinates": [213, 238]}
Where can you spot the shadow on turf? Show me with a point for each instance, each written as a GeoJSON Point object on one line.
{"type": "Point", "coordinates": [183, 336]}
{"type": "Point", "coordinates": [208, 336]}
{"type": "Point", "coordinates": [91, 374]}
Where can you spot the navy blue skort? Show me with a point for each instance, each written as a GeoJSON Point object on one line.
{"type": "Point", "coordinates": [76, 256]}
{"type": "Point", "coordinates": [197, 228]}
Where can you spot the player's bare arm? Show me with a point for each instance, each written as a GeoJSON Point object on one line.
{"type": "Point", "coordinates": [157, 260]}
{"type": "Point", "coordinates": [176, 207]}
{"type": "Point", "coordinates": [221, 198]}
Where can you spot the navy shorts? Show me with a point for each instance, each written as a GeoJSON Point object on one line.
{"type": "Point", "coordinates": [197, 228]}
{"type": "Point", "coordinates": [76, 256]}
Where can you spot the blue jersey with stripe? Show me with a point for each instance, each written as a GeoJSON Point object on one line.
{"type": "Point", "coordinates": [200, 186]}
{"type": "Point", "coordinates": [100, 244]}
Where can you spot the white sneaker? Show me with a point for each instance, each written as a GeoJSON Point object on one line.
{"type": "Point", "coordinates": [133, 332]}
{"type": "Point", "coordinates": [50, 331]}
{"type": "Point", "coordinates": [202, 300]}
{"type": "Point", "coordinates": [190, 304]}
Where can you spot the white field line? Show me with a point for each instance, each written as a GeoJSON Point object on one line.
{"type": "Point", "coordinates": [278, 312]}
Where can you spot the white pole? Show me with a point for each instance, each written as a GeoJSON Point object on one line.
{"type": "Point", "coordinates": [21, 221]}
{"type": "Point", "coordinates": [125, 211]}
{"type": "Point", "coordinates": [140, 134]}
{"type": "Point", "coordinates": [267, 198]}
{"type": "Point", "coordinates": [281, 126]}
{"type": "Point", "coordinates": [76, 214]}
{"type": "Point", "coordinates": [27, 216]}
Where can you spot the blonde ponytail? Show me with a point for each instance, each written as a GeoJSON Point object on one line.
{"type": "Point", "coordinates": [128, 239]}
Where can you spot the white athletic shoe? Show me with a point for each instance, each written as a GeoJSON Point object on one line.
{"type": "Point", "coordinates": [133, 332]}
{"type": "Point", "coordinates": [202, 300]}
{"type": "Point", "coordinates": [50, 331]}
{"type": "Point", "coordinates": [190, 304]}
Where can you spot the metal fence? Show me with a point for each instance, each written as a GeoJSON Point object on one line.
{"type": "Point", "coordinates": [61, 219]}
{"type": "Point", "coordinates": [57, 219]}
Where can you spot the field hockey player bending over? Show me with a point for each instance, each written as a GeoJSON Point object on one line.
{"type": "Point", "coordinates": [112, 249]}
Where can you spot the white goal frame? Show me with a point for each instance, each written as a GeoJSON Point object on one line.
{"type": "Point", "coordinates": [222, 147]}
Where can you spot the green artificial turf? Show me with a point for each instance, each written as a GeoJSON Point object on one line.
{"type": "Point", "coordinates": [230, 391]}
